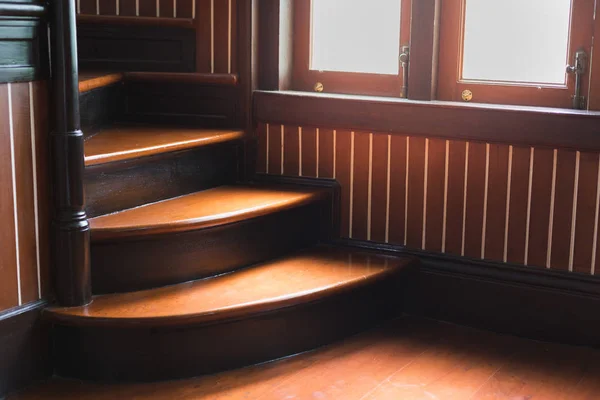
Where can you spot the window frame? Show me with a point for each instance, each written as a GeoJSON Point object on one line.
{"type": "Point", "coordinates": [451, 85]}
{"type": "Point", "coordinates": [305, 79]}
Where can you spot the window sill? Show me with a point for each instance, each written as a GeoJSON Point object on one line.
{"type": "Point", "coordinates": [517, 125]}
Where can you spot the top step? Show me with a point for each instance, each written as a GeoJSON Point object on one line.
{"type": "Point", "coordinates": [128, 142]}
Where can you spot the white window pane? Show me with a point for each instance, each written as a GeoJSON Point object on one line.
{"type": "Point", "coordinates": [356, 36]}
{"type": "Point", "coordinates": [516, 40]}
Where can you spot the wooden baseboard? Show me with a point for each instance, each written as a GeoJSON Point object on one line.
{"type": "Point", "coordinates": [525, 301]}
{"type": "Point", "coordinates": [24, 348]}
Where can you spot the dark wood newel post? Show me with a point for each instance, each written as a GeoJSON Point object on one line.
{"type": "Point", "coordinates": [71, 245]}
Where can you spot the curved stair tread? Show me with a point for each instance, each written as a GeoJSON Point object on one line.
{"type": "Point", "coordinates": [129, 142]}
{"type": "Point", "coordinates": [200, 210]}
{"type": "Point", "coordinates": [307, 276]}
{"type": "Point", "coordinates": [94, 80]}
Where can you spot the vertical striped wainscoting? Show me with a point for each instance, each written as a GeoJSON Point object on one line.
{"type": "Point", "coordinates": [215, 22]}
{"type": "Point", "coordinates": [522, 205]}
{"type": "Point", "coordinates": [24, 198]}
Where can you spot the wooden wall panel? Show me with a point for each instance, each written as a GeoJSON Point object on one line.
{"type": "Point", "coordinates": [166, 8]}
{"type": "Point", "coordinates": [9, 280]}
{"type": "Point", "coordinates": [361, 187]}
{"type": "Point", "coordinates": [107, 7]}
{"type": "Point", "coordinates": [380, 188]}
{"type": "Point", "coordinates": [415, 190]}
{"type": "Point", "coordinates": [291, 151]}
{"type": "Point", "coordinates": [436, 182]}
{"type": "Point", "coordinates": [481, 200]}
{"type": "Point", "coordinates": [24, 200]}
{"type": "Point", "coordinates": [87, 7]}
{"type": "Point", "coordinates": [308, 153]}
{"type": "Point", "coordinates": [518, 204]}
{"type": "Point", "coordinates": [147, 8]}
{"type": "Point", "coordinates": [142, 8]}
{"type": "Point", "coordinates": [497, 189]}
{"type": "Point", "coordinates": [131, 8]}
{"type": "Point", "coordinates": [398, 179]}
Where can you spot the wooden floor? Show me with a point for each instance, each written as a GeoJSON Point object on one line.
{"type": "Point", "coordinates": [406, 359]}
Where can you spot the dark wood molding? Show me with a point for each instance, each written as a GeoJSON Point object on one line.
{"type": "Point", "coordinates": [424, 43]}
{"type": "Point", "coordinates": [82, 19]}
{"type": "Point", "coordinates": [491, 123]}
{"type": "Point", "coordinates": [71, 248]}
{"type": "Point", "coordinates": [131, 47]}
{"type": "Point", "coordinates": [24, 348]}
{"type": "Point", "coordinates": [525, 301]}
{"type": "Point", "coordinates": [275, 41]}
{"type": "Point", "coordinates": [24, 41]}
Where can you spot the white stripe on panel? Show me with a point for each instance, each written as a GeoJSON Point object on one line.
{"type": "Point", "coordinates": [529, 190]}
{"type": "Point", "coordinates": [78, 6]}
{"type": "Point", "coordinates": [35, 187]}
{"type": "Point", "coordinates": [387, 201]}
{"type": "Point", "coordinates": [464, 221]}
{"type": "Point", "coordinates": [425, 178]}
{"type": "Point", "coordinates": [194, 9]}
{"type": "Point", "coordinates": [551, 217]}
{"type": "Point", "coordinates": [334, 153]}
{"type": "Point", "coordinates": [574, 212]}
{"type": "Point", "coordinates": [14, 187]}
{"type": "Point", "coordinates": [595, 242]}
{"type": "Point", "coordinates": [229, 37]}
{"type": "Point", "coordinates": [97, 7]}
{"type": "Point", "coordinates": [351, 183]}
{"type": "Point", "coordinates": [445, 215]}
{"type": "Point", "coordinates": [158, 8]}
{"type": "Point", "coordinates": [282, 147]}
{"type": "Point", "coordinates": [174, 8]}
{"type": "Point", "coordinates": [485, 199]}
{"type": "Point", "coordinates": [406, 190]}
{"type": "Point", "coordinates": [317, 151]}
{"type": "Point", "coordinates": [212, 36]}
{"type": "Point", "coordinates": [508, 195]}
{"type": "Point", "coordinates": [299, 151]}
{"type": "Point", "coordinates": [267, 157]}
{"type": "Point", "coordinates": [118, 7]}
{"type": "Point", "coordinates": [370, 187]}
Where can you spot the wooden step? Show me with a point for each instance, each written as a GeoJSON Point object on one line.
{"type": "Point", "coordinates": [122, 143]}
{"type": "Point", "coordinates": [264, 312]}
{"type": "Point", "coordinates": [93, 80]}
{"type": "Point", "coordinates": [205, 233]}
{"type": "Point", "coordinates": [206, 209]}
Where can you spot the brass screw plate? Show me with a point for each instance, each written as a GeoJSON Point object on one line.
{"type": "Point", "coordinates": [467, 95]}
{"type": "Point", "coordinates": [319, 87]}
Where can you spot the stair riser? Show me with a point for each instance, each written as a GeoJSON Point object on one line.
{"type": "Point", "coordinates": [101, 106]}
{"type": "Point", "coordinates": [173, 258]}
{"type": "Point", "coordinates": [122, 354]}
{"type": "Point", "coordinates": [120, 185]}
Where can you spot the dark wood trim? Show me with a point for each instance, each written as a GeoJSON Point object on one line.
{"type": "Point", "coordinates": [525, 301]}
{"type": "Point", "coordinates": [492, 123]}
{"type": "Point", "coordinates": [276, 44]}
{"type": "Point", "coordinates": [12, 8]}
{"type": "Point", "coordinates": [332, 184]}
{"type": "Point", "coordinates": [71, 255]}
{"type": "Point", "coordinates": [424, 44]}
{"type": "Point", "coordinates": [187, 77]}
{"type": "Point", "coordinates": [24, 348]}
{"type": "Point", "coordinates": [23, 37]}
{"type": "Point", "coordinates": [136, 21]}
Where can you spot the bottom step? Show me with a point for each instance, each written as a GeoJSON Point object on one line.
{"type": "Point", "coordinates": [261, 313]}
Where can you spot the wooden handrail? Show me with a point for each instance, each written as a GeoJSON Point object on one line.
{"type": "Point", "coordinates": [71, 247]}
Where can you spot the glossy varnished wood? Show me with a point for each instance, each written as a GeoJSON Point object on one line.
{"type": "Point", "coordinates": [135, 21]}
{"type": "Point", "coordinates": [209, 208]}
{"type": "Point", "coordinates": [406, 359]}
{"type": "Point", "coordinates": [94, 80]}
{"type": "Point", "coordinates": [244, 336]}
{"type": "Point", "coordinates": [123, 143]}
{"type": "Point", "coordinates": [309, 275]}
{"type": "Point", "coordinates": [186, 77]}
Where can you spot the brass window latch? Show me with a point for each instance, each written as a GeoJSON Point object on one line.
{"type": "Point", "coordinates": [404, 60]}
{"type": "Point", "coordinates": [578, 69]}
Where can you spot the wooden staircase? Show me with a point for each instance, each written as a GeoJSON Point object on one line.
{"type": "Point", "coordinates": [195, 269]}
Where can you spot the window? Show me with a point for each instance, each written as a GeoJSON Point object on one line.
{"type": "Point", "coordinates": [513, 51]}
{"type": "Point", "coordinates": [487, 51]}
{"type": "Point", "coordinates": [350, 46]}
